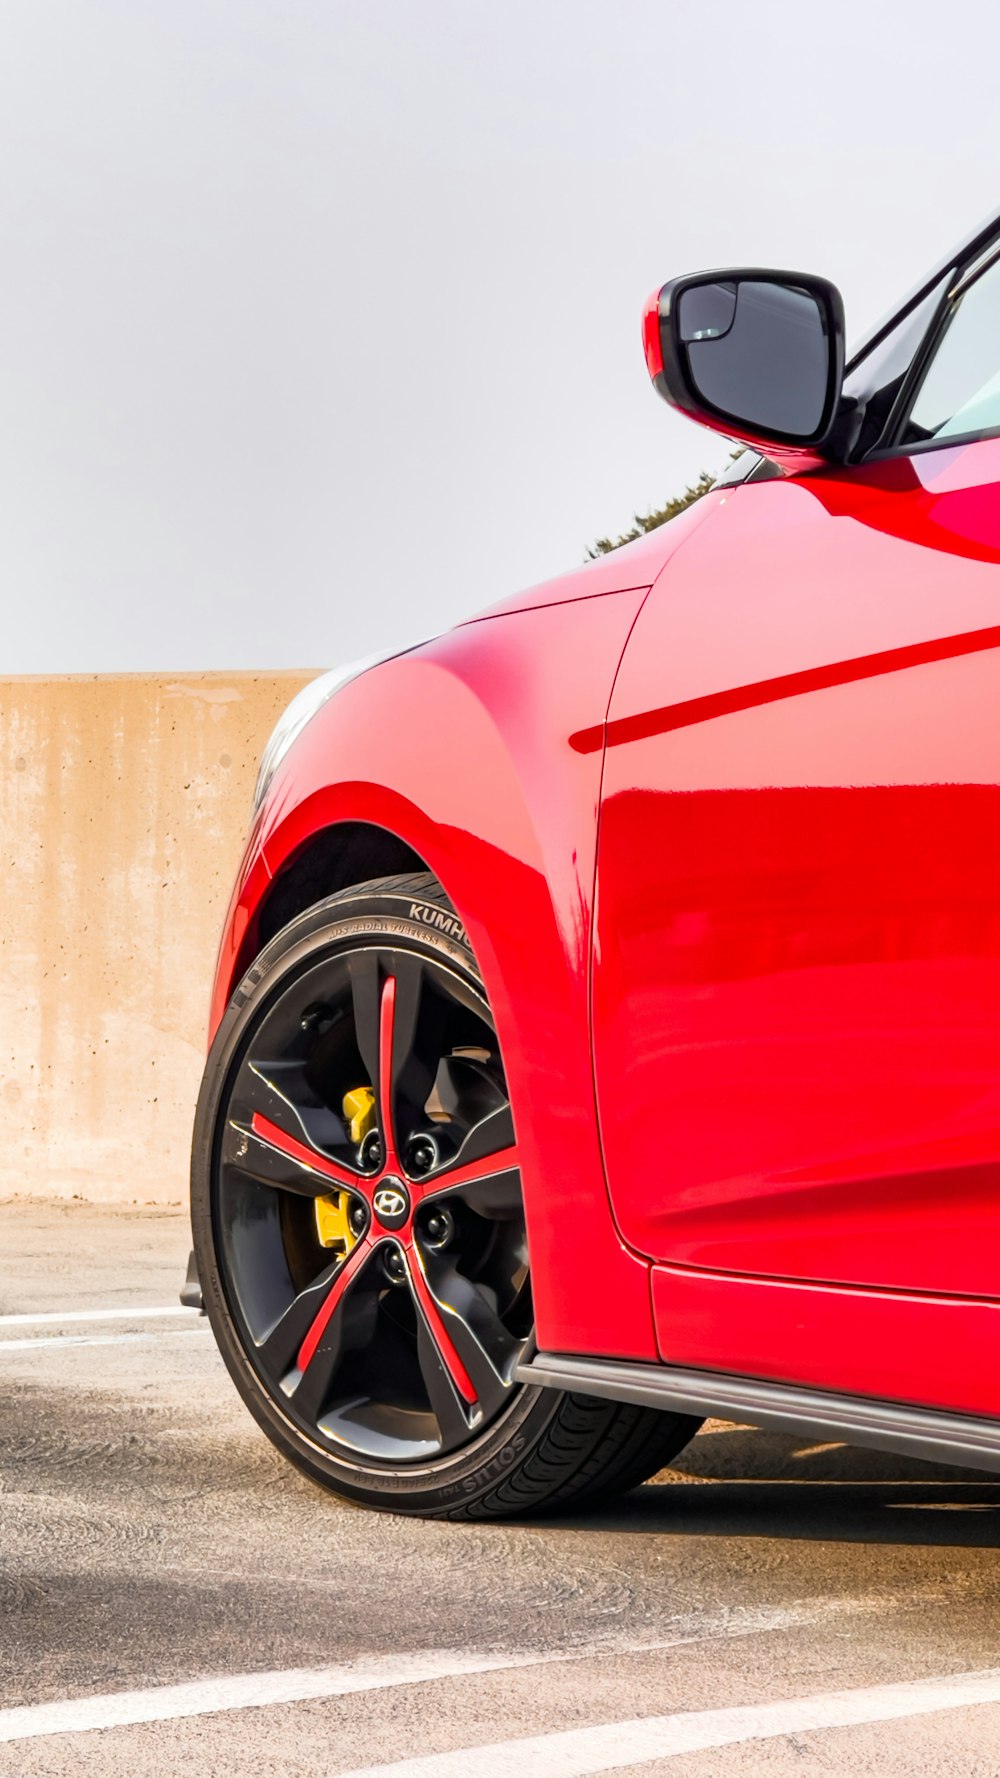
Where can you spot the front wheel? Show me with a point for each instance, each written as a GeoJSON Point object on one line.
{"type": "Point", "coordinates": [360, 1233]}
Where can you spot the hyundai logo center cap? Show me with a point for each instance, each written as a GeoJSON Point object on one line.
{"type": "Point", "coordinates": [391, 1204]}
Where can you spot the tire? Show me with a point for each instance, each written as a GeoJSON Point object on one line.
{"type": "Point", "coordinates": [403, 1210]}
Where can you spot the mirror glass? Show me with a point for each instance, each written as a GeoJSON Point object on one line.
{"type": "Point", "coordinates": [758, 352]}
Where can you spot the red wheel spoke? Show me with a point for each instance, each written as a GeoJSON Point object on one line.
{"type": "Point", "coordinates": [338, 1290]}
{"type": "Point", "coordinates": [490, 1185]}
{"type": "Point", "coordinates": [302, 1155]}
{"type": "Point", "coordinates": [447, 1351]}
{"type": "Point", "coordinates": [403, 1081]}
{"type": "Point", "coordinates": [386, 1043]}
{"type": "Point", "coordinates": [490, 1166]}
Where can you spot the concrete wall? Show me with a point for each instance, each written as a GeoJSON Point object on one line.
{"type": "Point", "coordinates": [123, 804]}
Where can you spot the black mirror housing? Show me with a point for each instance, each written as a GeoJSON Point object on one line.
{"type": "Point", "coordinates": [755, 354]}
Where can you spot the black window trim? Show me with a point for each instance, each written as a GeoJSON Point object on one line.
{"type": "Point", "coordinates": [974, 271]}
{"type": "Point", "coordinates": [857, 400]}
{"type": "Point", "coordinates": [981, 252]}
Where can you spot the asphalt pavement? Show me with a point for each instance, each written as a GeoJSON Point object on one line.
{"type": "Point", "coordinates": [175, 1599]}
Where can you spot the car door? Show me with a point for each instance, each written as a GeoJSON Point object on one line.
{"type": "Point", "coordinates": [797, 958]}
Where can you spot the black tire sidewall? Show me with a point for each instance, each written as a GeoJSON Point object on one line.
{"type": "Point", "coordinates": [413, 915]}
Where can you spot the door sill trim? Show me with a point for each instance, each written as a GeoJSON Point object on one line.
{"type": "Point", "coordinates": [929, 1433]}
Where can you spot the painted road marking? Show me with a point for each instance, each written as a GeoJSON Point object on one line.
{"type": "Point", "coordinates": [205, 1697]}
{"type": "Point", "coordinates": [575, 1753]}
{"type": "Point", "coordinates": [243, 1691]}
{"type": "Point", "coordinates": [65, 1316]}
{"type": "Point", "coordinates": [123, 1339]}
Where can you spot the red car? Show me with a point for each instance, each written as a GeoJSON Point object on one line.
{"type": "Point", "coordinates": [606, 1030]}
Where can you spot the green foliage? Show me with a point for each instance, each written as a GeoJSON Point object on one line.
{"type": "Point", "coordinates": [648, 521]}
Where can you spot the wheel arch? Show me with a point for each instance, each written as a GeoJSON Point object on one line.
{"type": "Point", "coordinates": [335, 857]}
{"type": "Point", "coordinates": [463, 759]}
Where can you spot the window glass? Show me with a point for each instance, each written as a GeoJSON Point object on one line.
{"type": "Point", "coordinates": [960, 394]}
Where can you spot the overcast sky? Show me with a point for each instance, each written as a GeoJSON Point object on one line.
{"type": "Point", "coordinates": [319, 321]}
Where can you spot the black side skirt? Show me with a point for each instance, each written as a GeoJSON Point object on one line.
{"type": "Point", "coordinates": [857, 1420]}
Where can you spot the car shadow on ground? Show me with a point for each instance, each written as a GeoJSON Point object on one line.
{"type": "Point", "coordinates": [734, 1481]}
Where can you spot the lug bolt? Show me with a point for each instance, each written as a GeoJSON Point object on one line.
{"type": "Point", "coordinates": [358, 1218]}
{"type": "Point", "coordinates": [371, 1152]}
{"type": "Point", "coordinates": [440, 1228]}
{"type": "Point", "coordinates": [423, 1154]}
{"type": "Point", "coordinates": [393, 1266]}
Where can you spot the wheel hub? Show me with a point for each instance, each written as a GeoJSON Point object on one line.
{"type": "Point", "coordinates": [391, 1203]}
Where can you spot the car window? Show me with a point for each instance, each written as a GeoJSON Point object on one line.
{"type": "Point", "coordinates": [959, 396]}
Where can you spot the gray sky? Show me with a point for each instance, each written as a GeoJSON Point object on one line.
{"type": "Point", "coordinates": [319, 321]}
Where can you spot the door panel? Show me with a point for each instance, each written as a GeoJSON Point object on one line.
{"type": "Point", "coordinates": [937, 1352]}
{"type": "Point", "coordinates": [797, 969]}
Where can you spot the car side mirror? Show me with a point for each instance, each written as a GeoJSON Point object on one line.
{"type": "Point", "coordinates": [758, 355]}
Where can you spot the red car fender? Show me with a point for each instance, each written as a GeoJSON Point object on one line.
{"type": "Point", "coordinates": [462, 750]}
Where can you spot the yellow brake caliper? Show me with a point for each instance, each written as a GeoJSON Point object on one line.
{"type": "Point", "coordinates": [333, 1225]}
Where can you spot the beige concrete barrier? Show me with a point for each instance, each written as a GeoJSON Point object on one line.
{"type": "Point", "coordinates": [123, 803]}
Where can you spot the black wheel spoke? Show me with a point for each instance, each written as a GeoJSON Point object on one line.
{"type": "Point", "coordinates": [324, 1347]}
{"type": "Point", "coordinates": [279, 1348]}
{"type": "Point", "coordinates": [311, 1392]}
{"type": "Point", "coordinates": [487, 1350]}
{"type": "Point", "coordinates": [489, 1137]}
{"type": "Point", "coordinates": [262, 1151]}
{"type": "Point", "coordinates": [399, 1013]}
{"type": "Point", "coordinates": [366, 996]}
{"type": "Point", "coordinates": [495, 1194]}
{"type": "Point", "coordinates": [280, 1092]}
{"type": "Point", "coordinates": [451, 1414]}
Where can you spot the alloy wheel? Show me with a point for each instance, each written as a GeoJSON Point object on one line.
{"type": "Point", "coordinates": [367, 1206]}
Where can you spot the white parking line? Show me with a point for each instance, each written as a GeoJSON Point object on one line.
{"type": "Point", "coordinates": [122, 1339]}
{"type": "Point", "coordinates": [575, 1753]}
{"type": "Point", "coordinates": [65, 1316]}
{"type": "Point", "coordinates": [244, 1691]}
